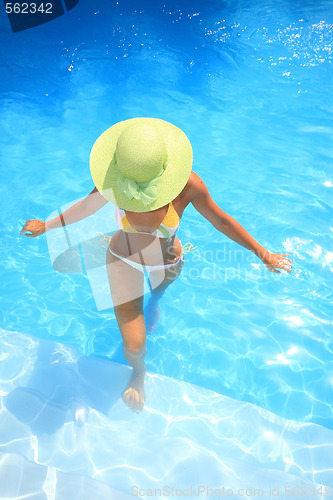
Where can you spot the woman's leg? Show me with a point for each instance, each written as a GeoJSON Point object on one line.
{"type": "Point", "coordinates": [127, 288]}
{"type": "Point", "coordinates": [159, 282]}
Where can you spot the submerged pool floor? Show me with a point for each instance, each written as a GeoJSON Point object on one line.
{"type": "Point", "coordinates": [64, 432]}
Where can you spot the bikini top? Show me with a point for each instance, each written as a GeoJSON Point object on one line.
{"type": "Point", "coordinates": [168, 227]}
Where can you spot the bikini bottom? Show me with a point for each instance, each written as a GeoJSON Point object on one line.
{"type": "Point", "coordinates": [144, 268]}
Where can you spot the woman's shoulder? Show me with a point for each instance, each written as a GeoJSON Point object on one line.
{"type": "Point", "coordinates": [195, 186]}
{"type": "Point", "coordinates": [195, 180]}
{"type": "Point", "coordinates": [192, 189]}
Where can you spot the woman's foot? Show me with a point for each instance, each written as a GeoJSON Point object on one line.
{"type": "Point", "coordinates": [134, 395]}
{"type": "Point", "coordinates": [152, 313]}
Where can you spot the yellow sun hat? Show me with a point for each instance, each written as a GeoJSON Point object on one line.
{"type": "Point", "coordinates": [141, 164]}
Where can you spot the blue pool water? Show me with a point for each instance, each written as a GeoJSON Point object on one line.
{"type": "Point", "coordinates": [251, 85]}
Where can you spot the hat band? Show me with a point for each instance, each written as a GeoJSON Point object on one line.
{"type": "Point", "coordinates": [146, 192]}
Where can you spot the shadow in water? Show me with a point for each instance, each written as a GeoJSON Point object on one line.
{"type": "Point", "coordinates": [58, 391]}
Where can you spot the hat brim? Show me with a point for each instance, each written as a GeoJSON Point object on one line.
{"type": "Point", "coordinates": [174, 178]}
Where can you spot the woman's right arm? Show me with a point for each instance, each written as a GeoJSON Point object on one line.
{"type": "Point", "coordinates": [223, 222]}
{"type": "Point", "coordinates": [80, 210]}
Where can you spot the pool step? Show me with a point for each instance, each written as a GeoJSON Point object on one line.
{"type": "Point", "coordinates": [63, 411]}
{"type": "Point", "coordinates": [20, 478]}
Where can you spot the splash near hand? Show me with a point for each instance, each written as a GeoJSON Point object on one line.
{"type": "Point", "coordinates": [276, 261]}
{"type": "Point", "coordinates": [35, 226]}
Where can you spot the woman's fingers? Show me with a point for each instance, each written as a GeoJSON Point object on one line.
{"type": "Point", "coordinates": [287, 265]}
{"type": "Point", "coordinates": [282, 263]}
{"type": "Point", "coordinates": [24, 228]}
{"type": "Point", "coordinates": [278, 261]}
{"type": "Point", "coordinates": [35, 226]}
{"type": "Point", "coordinates": [23, 231]}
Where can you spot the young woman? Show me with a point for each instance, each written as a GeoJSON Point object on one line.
{"type": "Point", "coordinates": [144, 166]}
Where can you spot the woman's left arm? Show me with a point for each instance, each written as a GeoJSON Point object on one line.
{"type": "Point", "coordinates": [205, 205]}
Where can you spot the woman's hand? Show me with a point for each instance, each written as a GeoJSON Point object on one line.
{"type": "Point", "coordinates": [276, 261]}
{"type": "Point", "coordinates": [35, 226]}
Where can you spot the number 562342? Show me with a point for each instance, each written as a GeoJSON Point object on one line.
{"type": "Point", "coordinates": [28, 8]}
